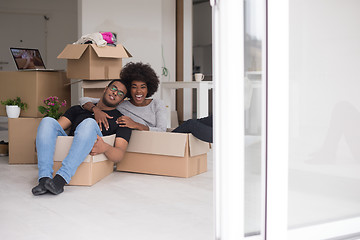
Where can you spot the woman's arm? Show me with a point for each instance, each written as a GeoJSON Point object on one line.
{"type": "Point", "coordinates": [160, 113]}
{"type": "Point", "coordinates": [161, 116]}
{"type": "Point", "coordinates": [84, 100]}
{"type": "Point", "coordinates": [100, 116]}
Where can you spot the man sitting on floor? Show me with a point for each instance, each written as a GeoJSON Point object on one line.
{"type": "Point", "coordinates": [87, 139]}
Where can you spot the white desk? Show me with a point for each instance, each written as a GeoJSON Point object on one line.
{"type": "Point", "coordinates": [168, 91]}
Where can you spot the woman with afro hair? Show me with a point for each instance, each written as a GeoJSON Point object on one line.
{"type": "Point", "coordinates": [140, 112]}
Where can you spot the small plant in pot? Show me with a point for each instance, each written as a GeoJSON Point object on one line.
{"type": "Point", "coordinates": [52, 107]}
{"type": "Point", "coordinates": [13, 107]}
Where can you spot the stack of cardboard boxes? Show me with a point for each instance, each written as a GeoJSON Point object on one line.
{"type": "Point", "coordinates": [32, 87]}
{"type": "Point", "coordinates": [92, 67]}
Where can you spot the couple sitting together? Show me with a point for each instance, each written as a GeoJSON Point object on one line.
{"type": "Point", "coordinates": [108, 115]}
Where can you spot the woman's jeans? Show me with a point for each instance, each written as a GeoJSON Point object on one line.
{"type": "Point", "coordinates": [201, 128]}
{"type": "Point", "coordinates": [84, 138]}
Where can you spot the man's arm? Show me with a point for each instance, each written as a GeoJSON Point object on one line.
{"type": "Point", "coordinates": [115, 153]}
{"type": "Point", "coordinates": [64, 122]}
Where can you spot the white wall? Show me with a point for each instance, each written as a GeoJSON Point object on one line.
{"type": "Point", "coordinates": [62, 25]}
{"type": "Point", "coordinates": [142, 26]}
{"type": "Point", "coordinates": [169, 39]}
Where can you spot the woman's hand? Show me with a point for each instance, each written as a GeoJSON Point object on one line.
{"type": "Point", "coordinates": [125, 121]}
{"type": "Point", "coordinates": [101, 118]}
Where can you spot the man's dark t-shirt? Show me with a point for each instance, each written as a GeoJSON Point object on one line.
{"type": "Point", "coordinates": [76, 115]}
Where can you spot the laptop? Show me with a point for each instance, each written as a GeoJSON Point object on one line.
{"type": "Point", "coordinates": [27, 59]}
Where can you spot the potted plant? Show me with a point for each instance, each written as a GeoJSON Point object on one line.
{"type": "Point", "coordinates": [13, 107]}
{"type": "Point", "coordinates": [52, 107]}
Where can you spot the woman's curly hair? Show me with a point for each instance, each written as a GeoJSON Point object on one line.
{"type": "Point", "coordinates": [140, 72]}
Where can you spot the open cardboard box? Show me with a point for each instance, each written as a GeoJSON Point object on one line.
{"type": "Point", "coordinates": [165, 153]}
{"type": "Point", "coordinates": [91, 170]}
{"type": "Point", "coordinates": [90, 62]}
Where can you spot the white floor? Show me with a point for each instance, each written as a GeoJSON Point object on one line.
{"type": "Point", "coordinates": [121, 206]}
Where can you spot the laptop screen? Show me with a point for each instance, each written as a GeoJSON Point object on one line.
{"type": "Point", "coordinates": [26, 58]}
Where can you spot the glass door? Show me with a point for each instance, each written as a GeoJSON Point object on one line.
{"type": "Point", "coordinates": [313, 111]}
{"type": "Point", "coordinates": [254, 114]}
{"type": "Point", "coordinates": [324, 137]}
{"type": "Point", "coordinates": [239, 118]}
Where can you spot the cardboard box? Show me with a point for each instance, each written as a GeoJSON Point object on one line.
{"type": "Point", "coordinates": [165, 153]}
{"type": "Point", "coordinates": [90, 62]}
{"type": "Point", "coordinates": [91, 170]}
{"type": "Point", "coordinates": [33, 87]}
{"type": "Point", "coordinates": [22, 135]}
{"type": "Point", "coordinates": [91, 88]}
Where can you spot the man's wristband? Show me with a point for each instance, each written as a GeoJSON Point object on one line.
{"type": "Point", "coordinates": [92, 108]}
